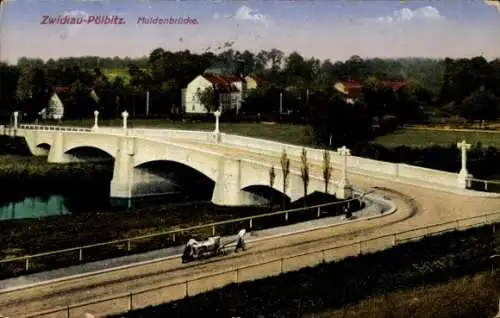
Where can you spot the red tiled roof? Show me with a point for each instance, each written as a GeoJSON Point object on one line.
{"type": "Point", "coordinates": [354, 87]}
{"type": "Point", "coordinates": [223, 83]}
{"type": "Point", "coordinates": [395, 85]}
{"type": "Point", "coordinates": [65, 89]}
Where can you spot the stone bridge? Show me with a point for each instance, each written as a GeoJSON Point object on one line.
{"type": "Point", "coordinates": [236, 165]}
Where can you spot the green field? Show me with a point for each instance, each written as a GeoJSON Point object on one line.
{"type": "Point", "coordinates": [428, 138]}
{"type": "Point", "coordinates": [302, 135]}
{"type": "Point", "coordinates": [293, 134]}
{"type": "Point", "coordinates": [112, 73]}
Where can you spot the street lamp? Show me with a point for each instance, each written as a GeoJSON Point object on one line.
{"type": "Point", "coordinates": [124, 116]}
{"type": "Point", "coordinates": [343, 185]}
{"type": "Point", "coordinates": [96, 118]}
{"type": "Point", "coordinates": [217, 115]}
{"type": "Point", "coordinates": [463, 175]}
{"type": "Point", "coordinates": [16, 117]}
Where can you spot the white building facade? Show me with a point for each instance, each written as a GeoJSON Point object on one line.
{"type": "Point", "coordinates": [231, 91]}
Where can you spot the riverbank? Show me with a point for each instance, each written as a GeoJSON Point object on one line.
{"type": "Point", "coordinates": [470, 296]}
{"type": "Point", "coordinates": [29, 176]}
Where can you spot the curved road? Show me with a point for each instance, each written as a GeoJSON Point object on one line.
{"type": "Point", "coordinates": [427, 206]}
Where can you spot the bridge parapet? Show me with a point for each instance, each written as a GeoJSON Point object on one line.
{"type": "Point", "coordinates": [54, 128]}
{"type": "Point", "coordinates": [363, 166]}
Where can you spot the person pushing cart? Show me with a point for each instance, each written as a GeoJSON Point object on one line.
{"type": "Point", "coordinates": [240, 244]}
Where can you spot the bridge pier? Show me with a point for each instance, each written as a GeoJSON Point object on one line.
{"type": "Point", "coordinates": [56, 153]}
{"type": "Point", "coordinates": [123, 171]}
{"type": "Point", "coordinates": [227, 189]}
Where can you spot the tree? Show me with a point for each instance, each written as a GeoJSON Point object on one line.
{"type": "Point", "coordinates": [327, 169]}
{"type": "Point", "coordinates": [285, 170]}
{"type": "Point", "coordinates": [304, 172]}
{"type": "Point", "coordinates": [272, 177]}
{"type": "Point", "coordinates": [480, 105]}
{"type": "Point", "coordinates": [209, 98]}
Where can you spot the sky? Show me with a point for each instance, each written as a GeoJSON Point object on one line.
{"type": "Point", "coordinates": [325, 29]}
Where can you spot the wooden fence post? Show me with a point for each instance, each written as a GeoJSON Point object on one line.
{"type": "Point", "coordinates": [80, 255]}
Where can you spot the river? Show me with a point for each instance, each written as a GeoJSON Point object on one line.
{"type": "Point", "coordinates": [57, 204]}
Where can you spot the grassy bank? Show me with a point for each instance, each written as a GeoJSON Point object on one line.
{"type": "Point", "coordinates": [302, 134]}
{"type": "Point", "coordinates": [474, 296]}
{"type": "Point", "coordinates": [32, 176]}
{"type": "Point", "coordinates": [31, 236]}
{"type": "Point", "coordinates": [289, 133]}
{"type": "Point", "coordinates": [429, 138]}
{"type": "Point", "coordinates": [314, 291]}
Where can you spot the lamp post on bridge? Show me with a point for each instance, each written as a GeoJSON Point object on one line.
{"type": "Point", "coordinates": [16, 118]}
{"type": "Point", "coordinates": [463, 175]}
{"type": "Point", "coordinates": [125, 116]}
{"type": "Point", "coordinates": [344, 188]}
{"type": "Point", "coordinates": [96, 119]}
{"type": "Point", "coordinates": [217, 115]}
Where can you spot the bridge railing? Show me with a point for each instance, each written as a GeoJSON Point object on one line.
{"type": "Point", "coordinates": [54, 128]}
{"type": "Point", "coordinates": [485, 185]}
{"type": "Point", "coordinates": [157, 295]}
{"type": "Point", "coordinates": [176, 237]}
{"type": "Point", "coordinates": [363, 166]}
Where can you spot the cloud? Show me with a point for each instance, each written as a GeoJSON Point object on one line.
{"type": "Point", "coordinates": [244, 13]}
{"type": "Point", "coordinates": [495, 3]}
{"type": "Point", "coordinates": [405, 14]}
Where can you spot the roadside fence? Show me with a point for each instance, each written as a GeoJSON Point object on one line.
{"type": "Point", "coordinates": [121, 247]}
{"type": "Point", "coordinates": [177, 290]}
{"type": "Point", "coordinates": [485, 185]}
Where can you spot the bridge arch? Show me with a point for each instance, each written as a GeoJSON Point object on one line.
{"type": "Point", "coordinates": [167, 176]}
{"type": "Point", "coordinates": [44, 146]}
{"type": "Point", "coordinates": [266, 192]}
{"type": "Point", "coordinates": [89, 148]}
{"type": "Point", "coordinates": [89, 152]}
{"type": "Point", "coordinates": [153, 151]}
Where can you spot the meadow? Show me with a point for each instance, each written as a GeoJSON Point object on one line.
{"type": "Point", "coordinates": [426, 138]}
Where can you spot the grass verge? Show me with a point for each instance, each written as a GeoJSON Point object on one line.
{"type": "Point", "coordinates": [288, 133]}
{"type": "Point", "coordinates": [472, 296]}
{"type": "Point", "coordinates": [428, 138]}
{"type": "Point", "coordinates": [334, 285]}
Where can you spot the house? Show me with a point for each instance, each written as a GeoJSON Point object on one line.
{"type": "Point", "coordinates": [253, 81]}
{"type": "Point", "coordinates": [55, 107]}
{"type": "Point", "coordinates": [231, 89]}
{"type": "Point", "coordinates": [352, 89]}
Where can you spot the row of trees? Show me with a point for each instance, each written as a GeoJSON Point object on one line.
{"type": "Point", "coordinates": [304, 172]}
{"type": "Point", "coordinates": [302, 86]}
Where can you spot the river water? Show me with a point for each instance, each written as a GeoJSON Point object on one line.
{"type": "Point", "coordinates": [34, 207]}
{"type": "Point", "coordinates": [50, 205]}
